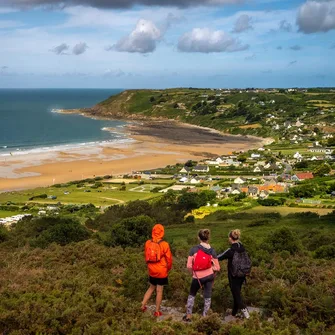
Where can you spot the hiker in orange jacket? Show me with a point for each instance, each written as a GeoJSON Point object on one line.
{"type": "Point", "coordinates": [159, 261]}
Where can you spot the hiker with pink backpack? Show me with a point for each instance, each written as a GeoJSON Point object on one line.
{"type": "Point", "coordinates": [202, 263]}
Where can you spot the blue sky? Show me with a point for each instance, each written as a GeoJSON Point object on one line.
{"type": "Point", "coordinates": [139, 44]}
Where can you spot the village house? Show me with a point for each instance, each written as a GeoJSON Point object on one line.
{"type": "Point", "coordinates": [302, 176]}
{"type": "Point", "coordinates": [183, 180]}
{"type": "Point", "coordinates": [240, 180]}
{"type": "Point", "coordinates": [230, 161]}
{"type": "Point", "coordinates": [322, 150]}
{"type": "Point", "coordinates": [185, 169]}
{"type": "Point", "coordinates": [252, 191]}
{"type": "Point", "coordinates": [263, 194]}
{"type": "Point", "coordinates": [201, 168]}
{"type": "Point", "coordinates": [297, 156]}
{"type": "Point", "coordinates": [255, 155]}
{"type": "Point", "coordinates": [258, 169]}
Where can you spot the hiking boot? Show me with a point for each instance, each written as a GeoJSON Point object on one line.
{"type": "Point", "coordinates": [245, 313]}
{"type": "Point", "coordinates": [144, 308]}
{"type": "Point", "coordinates": [158, 313]}
{"type": "Point", "coordinates": [186, 319]}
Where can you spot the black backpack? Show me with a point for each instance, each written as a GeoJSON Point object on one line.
{"type": "Point", "coordinates": [241, 264]}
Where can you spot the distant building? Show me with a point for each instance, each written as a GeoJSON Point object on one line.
{"type": "Point", "coordinates": [257, 169]}
{"type": "Point", "coordinates": [240, 180]}
{"type": "Point", "coordinates": [253, 155]}
{"type": "Point", "coordinates": [185, 169]}
{"type": "Point", "coordinates": [302, 176]}
{"type": "Point", "coordinates": [201, 168]}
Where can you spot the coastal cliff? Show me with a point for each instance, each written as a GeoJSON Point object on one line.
{"type": "Point", "coordinates": [125, 105]}
{"type": "Point", "coordinates": [261, 113]}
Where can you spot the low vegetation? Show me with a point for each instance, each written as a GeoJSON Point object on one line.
{"type": "Point", "coordinates": [61, 277]}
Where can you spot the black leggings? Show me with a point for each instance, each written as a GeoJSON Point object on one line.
{"type": "Point", "coordinates": [207, 284]}
{"type": "Point", "coordinates": [235, 284]}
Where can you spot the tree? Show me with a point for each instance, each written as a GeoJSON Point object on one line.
{"type": "Point", "coordinates": [331, 142]}
{"type": "Point", "coordinates": [242, 158]}
{"type": "Point", "coordinates": [301, 165]}
{"type": "Point", "coordinates": [322, 170]}
{"type": "Point", "coordinates": [190, 163]}
{"type": "Point", "coordinates": [303, 191]}
{"type": "Point", "coordinates": [131, 232]}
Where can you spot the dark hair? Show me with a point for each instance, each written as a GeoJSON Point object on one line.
{"type": "Point", "coordinates": [204, 234]}
{"type": "Point", "coordinates": [235, 234]}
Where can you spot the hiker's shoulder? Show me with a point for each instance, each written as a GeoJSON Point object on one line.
{"type": "Point", "coordinates": [238, 247]}
{"type": "Point", "coordinates": [164, 244]}
{"type": "Point", "coordinates": [194, 250]}
{"type": "Point", "coordinates": [213, 253]}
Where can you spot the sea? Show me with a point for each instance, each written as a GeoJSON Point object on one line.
{"type": "Point", "coordinates": [29, 121]}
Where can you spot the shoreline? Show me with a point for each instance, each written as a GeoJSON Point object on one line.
{"type": "Point", "coordinates": [136, 119]}
{"type": "Point", "coordinates": [152, 144]}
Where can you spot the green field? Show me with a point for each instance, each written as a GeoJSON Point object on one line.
{"type": "Point", "coordinates": [282, 210]}
{"type": "Point", "coordinates": [104, 196]}
{"type": "Point", "coordinates": [4, 214]}
{"type": "Point", "coordinates": [183, 235]}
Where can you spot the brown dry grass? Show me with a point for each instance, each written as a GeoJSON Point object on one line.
{"type": "Point", "coordinates": [251, 126]}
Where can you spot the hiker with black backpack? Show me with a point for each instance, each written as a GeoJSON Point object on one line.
{"type": "Point", "coordinates": [202, 262]}
{"type": "Point", "coordinates": [239, 266]}
{"type": "Point", "coordinates": [159, 261]}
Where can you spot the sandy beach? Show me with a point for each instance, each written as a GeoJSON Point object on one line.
{"type": "Point", "coordinates": [155, 144]}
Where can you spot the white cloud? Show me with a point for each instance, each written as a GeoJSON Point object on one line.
{"type": "Point", "coordinates": [6, 10]}
{"type": "Point", "coordinates": [243, 23]}
{"type": "Point", "coordinates": [316, 16]}
{"type": "Point", "coordinates": [205, 40]}
{"type": "Point", "coordinates": [114, 73]}
{"type": "Point", "coordinates": [5, 24]}
{"type": "Point", "coordinates": [143, 39]}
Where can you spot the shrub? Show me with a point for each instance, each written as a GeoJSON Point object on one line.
{"type": "Point", "coordinates": [304, 215]}
{"type": "Point", "coordinates": [131, 232]}
{"type": "Point", "coordinates": [271, 202]}
{"type": "Point", "coordinates": [3, 233]}
{"type": "Point", "coordinates": [258, 223]}
{"type": "Point", "coordinates": [190, 219]}
{"type": "Point", "coordinates": [208, 324]}
{"type": "Point", "coordinates": [43, 231]}
{"type": "Point", "coordinates": [61, 233]}
{"type": "Point", "coordinates": [283, 239]}
{"type": "Point", "coordinates": [325, 251]}
{"type": "Point", "coordinates": [40, 196]}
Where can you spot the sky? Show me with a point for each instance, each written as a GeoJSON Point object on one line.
{"type": "Point", "coordinates": [167, 43]}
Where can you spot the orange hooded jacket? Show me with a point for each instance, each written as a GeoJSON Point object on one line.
{"type": "Point", "coordinates": [160, 269]}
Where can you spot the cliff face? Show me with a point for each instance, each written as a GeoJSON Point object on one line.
{"type": "Point", "coordinates": [135, 105]}
{"type": "Point", "coordinates": [116, 107]}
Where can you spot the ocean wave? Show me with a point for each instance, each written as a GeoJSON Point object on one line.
{"type": "Point", "coordinates": [65, 147]}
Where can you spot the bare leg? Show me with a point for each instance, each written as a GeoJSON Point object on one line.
{"type": "Point", "coordinates": [148, 294]}
{"type": "Point", "coordinates": [159, 297]}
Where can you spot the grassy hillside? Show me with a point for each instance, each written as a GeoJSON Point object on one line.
{"type": "Point", "coordinates": [253, 112]}
{"type": "Point", "coordinates": [60, 277]}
